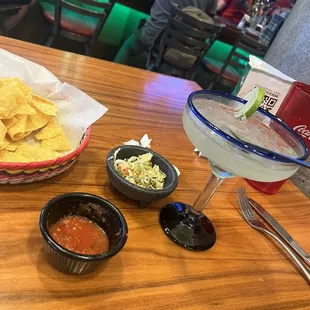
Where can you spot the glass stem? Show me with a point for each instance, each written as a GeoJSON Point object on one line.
{"type": "Point", "coordinates": [213, 183]}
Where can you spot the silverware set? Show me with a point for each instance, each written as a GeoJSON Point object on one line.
{"type": "Point", "coordinates": [294, 250]}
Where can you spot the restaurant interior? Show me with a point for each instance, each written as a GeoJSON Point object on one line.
{"type": "Point", "coordinates": [155, 154]}
{"type": "Point", "coordinates": [33, 21]}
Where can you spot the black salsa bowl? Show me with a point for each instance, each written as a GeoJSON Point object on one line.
{"type": "Point", "coordinates": [95, 208]}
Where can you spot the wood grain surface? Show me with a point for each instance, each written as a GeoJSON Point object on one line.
{"type": "Point", "coordinates": [244, 270]}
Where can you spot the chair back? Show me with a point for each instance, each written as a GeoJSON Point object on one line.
{"type": "Point", "coordinates": [92, 8]}
{"type": "Point", "coordinates": [248, 45]}
{"type": "Point", "coordinates": [187, 35]}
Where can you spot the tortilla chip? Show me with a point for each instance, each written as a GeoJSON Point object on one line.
{"type": "Point", "coordinates": [22, 85]}
{"type": "Point", "coordinates": [4, 144]}
{"type": "Point", "coordinates": [12, 146]}
{"type": "Point", "coordinates": [21, 113]}
{"type": "Point", "coordinates": [2, 132]}
{"type": "Point", "coordinates": [36, 121]}
{"type": "Point", "coordinates": [25, 89]}
{"type": "Point", "coordinates": [10, 115]}
{"type": "Point", "coordinates": [18, 130]}
{"type": "Point", "coordinates": [7, 100]}
{"type": "Point", "coordinates": [25, 109]}
{"type": "Point", "coordinates": [17, 92]}
{"type": "Point", "coordinates": [58, 143]}
{"type": "Point", "coordinates": [44, 105]}
{"type": "Point", "coordinates": [7, 80]}
{"type": "Point", "coordinates": [6, 156]}
{"type": "Point", "coordinates": [35, 153]}
{"type": "Point", "coordinates": [9, 122]}
{"type": "Point", "coordinates": [20, 96]}
{"type": "Point", "coordinates": [51, 130]}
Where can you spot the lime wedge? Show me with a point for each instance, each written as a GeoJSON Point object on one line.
{"type": "Point", "coordinates": [254, 99]}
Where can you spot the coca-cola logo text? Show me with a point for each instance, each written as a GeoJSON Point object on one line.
{"type": "Point", "coordinates": [303, 131]}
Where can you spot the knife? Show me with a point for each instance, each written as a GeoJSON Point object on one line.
{"type": "Point", "coordinates": [280, 230]}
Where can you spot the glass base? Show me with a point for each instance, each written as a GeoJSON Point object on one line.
{"type": "Point", "coordinates": [186, 228]}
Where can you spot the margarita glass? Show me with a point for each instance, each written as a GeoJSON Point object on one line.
{"type": "Point", "coordinates": [248, 148]}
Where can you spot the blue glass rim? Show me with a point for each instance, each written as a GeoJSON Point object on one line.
{"type": "Point", "coordinates": [242, 144]}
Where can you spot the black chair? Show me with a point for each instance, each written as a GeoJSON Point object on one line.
{"type": "Point", "coordinates": [77, 29]}
{"type": "Point", "coordinates": [229, 72]}
{"type": "Point", "coordinates": [182, 43]}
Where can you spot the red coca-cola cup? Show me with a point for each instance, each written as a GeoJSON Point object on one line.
{"type": "Point", "coordinates": [295, 112]}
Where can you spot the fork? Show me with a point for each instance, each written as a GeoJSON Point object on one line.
{"type": "Point", "coordinates": [250, 217]}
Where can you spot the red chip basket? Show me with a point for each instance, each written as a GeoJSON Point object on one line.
{"type": "Point", "coordinates": [15, 173]}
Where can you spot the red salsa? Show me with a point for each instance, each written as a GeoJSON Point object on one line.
{"type": "Point", "coordinates": [80, 235]}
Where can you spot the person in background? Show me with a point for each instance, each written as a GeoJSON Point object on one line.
{"type": "Point", "coordinates": [142, 39]}
{"type": "Point", "coordinates": [281, 6]}
{"type": "Point", "coordinates": [11, 21]}
{"type": "Point", "coordinates": [233, 10]}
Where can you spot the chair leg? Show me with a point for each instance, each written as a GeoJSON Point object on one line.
{"type": "Point", "coordinates": [211, 85]}
{"type": "Point", "coordinates": [2, 26]}
{"type": "Point", "coordinates": [45, 34]}
{"type": "Point", "coordinates": [87, 51]}
{"type": "Point", "coordinates": [191, 74]}
{"type": "Point", "coordinates": [217, 80]}
{"type": "Point", "coordinates": [150, 67]}
{"type": "Point", "coordinates": [50, 39]}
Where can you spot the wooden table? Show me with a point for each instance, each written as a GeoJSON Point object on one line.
{"type": "Point", "coordinates": [244, 270]}
{"type": "Point", "coordinates": [230, 33]}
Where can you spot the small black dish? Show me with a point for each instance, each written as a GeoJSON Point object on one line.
{"type": "Point", "coordinates": [97, 209]}
{"type": "Point", "coordinates": [144, 195]}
